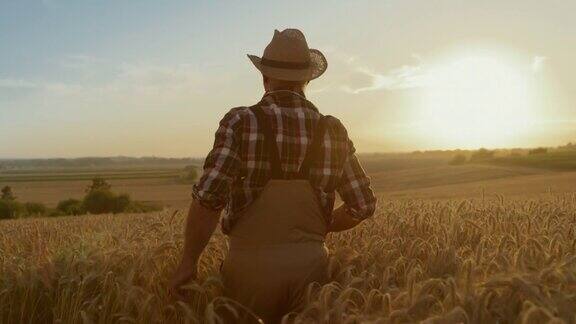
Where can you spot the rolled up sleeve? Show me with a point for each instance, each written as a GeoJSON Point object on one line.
{"type": "Point", "coordinates": [221, 165]}
{"type": "Point", "coordinates": [354, 187]}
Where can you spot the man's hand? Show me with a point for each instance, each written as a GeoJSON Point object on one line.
{"type": "Point", "coordinates": [342, 220]}
{"type": "Point", "coordinates": [200, 226]}
{"type": "Point", "coordinates": [186, 272]}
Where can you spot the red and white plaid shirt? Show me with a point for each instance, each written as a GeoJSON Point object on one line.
{"type": "Point", "coordinates": [237, 168]}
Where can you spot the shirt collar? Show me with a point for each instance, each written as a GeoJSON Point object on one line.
{"type": "Point", "coordinates": [295, 93]}
{"type": "Point", "coordinates": [288, 98]}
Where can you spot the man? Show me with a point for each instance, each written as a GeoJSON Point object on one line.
{"type": "Point", "coordinates": [276, 167]}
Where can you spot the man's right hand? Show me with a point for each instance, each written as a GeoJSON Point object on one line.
{"type": "Point", "coordinates": [200, 226]}
{"type": "Point", "coordinates": [342, 220]}
{"type": "Point", "coordinates": [186, 272]}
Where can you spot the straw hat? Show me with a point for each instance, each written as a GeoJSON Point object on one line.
{"type": "Point", "coordinates": [287, 57]}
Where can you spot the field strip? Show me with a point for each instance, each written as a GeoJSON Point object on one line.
{"type": "Point", "coordinates": [67, 177]}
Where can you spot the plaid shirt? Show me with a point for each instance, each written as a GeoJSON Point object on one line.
{"type": "Point", "coordinates": [237, 168]}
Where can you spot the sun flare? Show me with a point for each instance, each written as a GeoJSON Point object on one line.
{"type": "Point", "coordinates": [476, 100]}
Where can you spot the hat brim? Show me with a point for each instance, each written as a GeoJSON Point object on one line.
{"type": "Point", "coordinates": [318, 66]}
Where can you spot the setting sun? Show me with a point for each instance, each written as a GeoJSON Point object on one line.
{"type": "Point", "coordinates": [477, 100]}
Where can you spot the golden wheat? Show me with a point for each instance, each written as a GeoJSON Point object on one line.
{"type": "Point", "coordinates": [472, 261]}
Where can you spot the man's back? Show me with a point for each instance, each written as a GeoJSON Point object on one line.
{"type": "Point", "coordinates": [238, 167]}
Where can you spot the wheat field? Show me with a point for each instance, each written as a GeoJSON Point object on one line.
{"type": "Point", "coordinates": [488, 260]}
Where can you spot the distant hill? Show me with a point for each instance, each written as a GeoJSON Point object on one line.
{"type": "Point", "coordinates": [561, 158]}
{"type": "Point", "coordinates": [95, 162]}
{"type": "Point", "coordinates": [556, 160]}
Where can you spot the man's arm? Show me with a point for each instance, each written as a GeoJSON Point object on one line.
{"type": "Point", "coordinates": [200, 226]}
{"type": "Point", "coordinates": [210, 197]}
{"type": "Point", "coordinates": [354, 189]}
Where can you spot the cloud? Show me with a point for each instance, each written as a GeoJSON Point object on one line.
{"type": "Point", "coordinates": [54, 88]}
{"type": "Point", "coordinates": [159, 75]}
{"type": "Point", "coordinates": [62, 89]}
{"type": "Point", "coordinates": [78, 61]}
{"type": "Point", "coordinates": [411, 76]}
{"type": "Point", "coordinates": [16, 84]}
{"type": "Point", "coordinates": [319, 90]}
{"type": "Point", "coordinates": [149, 82]}
{"type": "Point", "coordinates": [123, 81]}
{"type": "Point", "coordinates": [351, 76]}
{"type": "Point", "coordinates": [537, 63]}
{"type": "Point", "coordinates": [404, 77]}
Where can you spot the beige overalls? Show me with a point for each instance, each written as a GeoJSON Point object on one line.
{"type": "Point", "coordinates": [277, 245]}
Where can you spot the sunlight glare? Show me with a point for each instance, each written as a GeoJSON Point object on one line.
{"type": "Point", "coordinates": [476, 100]}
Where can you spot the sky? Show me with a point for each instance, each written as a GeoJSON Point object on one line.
{"type": "Point", "coordinates": [153, 78]}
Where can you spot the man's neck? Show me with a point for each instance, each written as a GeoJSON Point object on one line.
{"type": "Point", "coordinates": [299, 91]}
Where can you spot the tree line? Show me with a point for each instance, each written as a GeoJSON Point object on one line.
{"type": "Point", "coordinates": [99, 198]}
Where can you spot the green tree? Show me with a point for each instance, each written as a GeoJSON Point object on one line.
{"type": "Point", "coordinates": [105, 201]}
{"type": "Point", "coordinates": [121, 203]}
{"type": "Point", "coordinates": [99, 201]}
{"type": "Point", "coordinates": [10, 209]}
{"type": "Point", "coordinates": [35, 209]}
{"type": "Point", "coordinates": [7, 194]}
{"type": "Point", "coordinates": [98, 184]}
{"type": "Point", "coordinates": [70, 207]}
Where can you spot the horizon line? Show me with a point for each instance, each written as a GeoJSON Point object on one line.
{"type": "Point", "coordinates": [200, 158]}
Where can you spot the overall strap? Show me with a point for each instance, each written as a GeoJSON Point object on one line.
{"type": "Point", "coordinates": [313, 153]}
{"type": "Point", "coordinates": [269, 142]}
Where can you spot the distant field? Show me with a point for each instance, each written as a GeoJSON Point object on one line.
{"type": "Point", "coordinates": [386, 163]}
{"type": "Point", "coordinates": [84, 170]}
{"type": "Point", "coordinates": [555, 160]}
{"type": "Point", "coordinates": [472, 180]}
{"type": "Point", "coordinates": [49, 186]}
{"type": "Point", "coordinates": [391, 176]}
{"type": "Point", "coordinates": [87, 175]}
{"type": "Point", "coordinates": [64, 174]}
{"type": "Point", "coordinates": [165, 191]}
